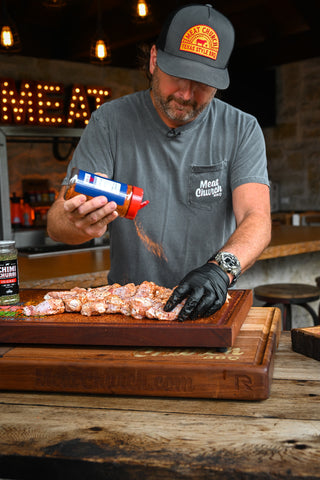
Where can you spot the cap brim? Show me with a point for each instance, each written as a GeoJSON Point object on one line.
{"type": "Point", "coordinates": [193, 70]}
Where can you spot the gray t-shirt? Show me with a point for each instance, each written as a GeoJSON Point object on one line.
{"type": "Point", "coordinates": [188, 175]}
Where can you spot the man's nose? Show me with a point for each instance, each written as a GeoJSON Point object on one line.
{"type": "Point", "coordinates": [186, 88]}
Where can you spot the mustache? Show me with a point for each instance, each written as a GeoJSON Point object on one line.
{"type": "Point", "coordinates": [180, 101]}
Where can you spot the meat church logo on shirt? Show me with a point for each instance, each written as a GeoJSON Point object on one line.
{"type": "Point", "coordinates": [201, 40]}
{"type": "Point", "coordinates": [209, 188]}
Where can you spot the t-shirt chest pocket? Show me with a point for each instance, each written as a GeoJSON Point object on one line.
{"type": "Point", "coordinates": [207, 185]}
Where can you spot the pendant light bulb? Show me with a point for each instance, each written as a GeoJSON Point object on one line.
{"type": "Point", "coordinates": [6, 37]}
{"type": "Point", "coordinates": [142, 9]}
{"type": "Point", "coordinates": [101, 51]}
{"type": "Point", "coordinates": [9, 37]}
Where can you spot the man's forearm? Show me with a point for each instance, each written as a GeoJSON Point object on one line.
{"type": "Point", "coordinates": [249, 240]}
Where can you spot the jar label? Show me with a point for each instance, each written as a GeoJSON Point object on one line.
{"type": "Point", "coordinates": [9, 283]}
{"type": "Point", "coordinates": [94, 185]}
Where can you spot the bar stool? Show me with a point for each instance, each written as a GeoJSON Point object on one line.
{"type": "Point", "coordinates": [288, 294]}
{"type": "Point", "coordinates": [318, 283]}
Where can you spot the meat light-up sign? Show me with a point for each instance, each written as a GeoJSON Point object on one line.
{"type": "Point", "coordinates": [48, 103]}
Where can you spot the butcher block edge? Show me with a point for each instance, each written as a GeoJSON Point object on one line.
{"type": "Point", "coordinates": [218, 330]}
{"type": "Point", "coordinates": [243, 372]}
{"type": "Point", "coordinates": [306, 341]}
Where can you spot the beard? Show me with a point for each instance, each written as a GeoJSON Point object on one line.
{"type": "Point", "coordinates": [175, 108]}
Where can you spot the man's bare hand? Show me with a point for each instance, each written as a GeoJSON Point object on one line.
{"type": "Point", "coordinates": [91, 217]}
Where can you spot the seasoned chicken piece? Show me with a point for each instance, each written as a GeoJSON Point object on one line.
{"type": "Point", "coordinates": [115, 304]}
{"type": "Point", "coordinates": [96, 307]}
{"type": "Point", "coordinates": [162, 293]}
{"type": "Point", "coordinates": [50, 306]}
{"type": "Point", "coordinates": [157, 312]}
{"type": "Point", "coordinates": [125, 291]}
{"type": "Point", "coordinates": [73, 304]}
{"type": "Point", "coordinates": [73, 299]}
{"type": "Point", "coordinates": [65, 293]}
{"type": "Point", "coordinates": [147, 289]}
{"type": "Point", "coordinates": [139, 306]}
{"type": "Point", "coordinates": [119, 300]}
{"type": "Point", "coordinates": [99, 293]}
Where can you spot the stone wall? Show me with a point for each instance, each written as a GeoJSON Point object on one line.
{"type": "Point", "coordinates": [293, 145]}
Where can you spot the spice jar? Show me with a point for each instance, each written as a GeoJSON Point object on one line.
{"type": "Point", "coordinates": [9, 275]}
{"type": "Point", "coordinates": [127, 197]}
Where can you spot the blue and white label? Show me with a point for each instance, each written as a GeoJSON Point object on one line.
{"type": "Point", "coordinates": [94, 185]}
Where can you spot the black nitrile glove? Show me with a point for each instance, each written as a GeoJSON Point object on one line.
{"type": "Point", "coordinates": [207, 288]}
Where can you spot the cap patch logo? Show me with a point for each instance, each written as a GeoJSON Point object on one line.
{"type": "Point", "coordinates": [201, 40]}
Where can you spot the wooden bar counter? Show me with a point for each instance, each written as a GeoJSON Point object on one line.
{"type": "Point", "coordinates": [288, 240]}
{"type": "Point", "coordinates": [67, 436]}
{"type": "Point", "coordinates": [65, 270]}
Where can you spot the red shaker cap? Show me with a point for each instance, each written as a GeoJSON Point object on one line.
{"type": "Point", "coordinates": [135, 204]}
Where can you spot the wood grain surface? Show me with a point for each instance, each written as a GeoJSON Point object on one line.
{"type": "Point", "coordinates": [57, 436]}
{"type": "Point", "coordinates": [307, 341]}
{"type": "Point", "coordinates": [243, 371]}
{"type": "Point", "coordinates": [289, 240]}
{"type": "Point", "coordinates": [218, 330]}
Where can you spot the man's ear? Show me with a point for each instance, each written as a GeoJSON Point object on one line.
{"type": "Point", "coordinates": [153, 59]}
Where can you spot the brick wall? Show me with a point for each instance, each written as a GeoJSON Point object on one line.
{"type": "Point", "coordinates": [293, 145]}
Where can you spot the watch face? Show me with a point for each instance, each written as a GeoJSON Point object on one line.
{"type": "Point", "coordinates": [229, 262]}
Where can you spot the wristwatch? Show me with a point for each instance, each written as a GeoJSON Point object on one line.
{"type": "Point", "coordinates": [229, 264]}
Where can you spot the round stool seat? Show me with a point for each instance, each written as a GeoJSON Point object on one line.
{"type": "Point", "coordinates": [289, 294]}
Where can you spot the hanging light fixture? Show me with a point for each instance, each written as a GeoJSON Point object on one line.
{"type": "Point", "coordinates": [9, 37]}
{"type": "Point", "coordinates": [141, 10]}
{"type": "Point", "coordinates": [100, 52]}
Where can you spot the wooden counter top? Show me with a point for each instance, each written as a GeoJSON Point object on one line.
{"type": "Point", "coordinates": [89, 268]}
{"type": "Point", "coordinates": [289, 240]}
{"type": "Point", "coordinates": [69, 436]}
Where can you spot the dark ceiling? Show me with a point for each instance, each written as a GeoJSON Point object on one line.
{"type": "Point", "coordinates": [268, 32]}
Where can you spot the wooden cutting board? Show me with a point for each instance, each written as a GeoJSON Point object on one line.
{"type": "Point", "coordinates": [306, 341]}
{"type": "Point", "coordinates": [244, 371]}
{"type": "Point", "coordinates": [218, 330]}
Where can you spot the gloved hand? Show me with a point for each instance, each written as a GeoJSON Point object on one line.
{"type": "Point", "coordinates": [207, 288]}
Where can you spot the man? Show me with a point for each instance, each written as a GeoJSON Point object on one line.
{"type": "Point", "coordinates": [200, 162]}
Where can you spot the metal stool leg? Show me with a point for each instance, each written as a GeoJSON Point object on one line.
{"type": "Point", "coordinates": [287, 316]}
{"type": "Point", "coordinates": [316, 319]}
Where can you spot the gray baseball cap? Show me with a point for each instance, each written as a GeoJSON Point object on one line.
{"type": "Point", "coordinates": [196, 43]}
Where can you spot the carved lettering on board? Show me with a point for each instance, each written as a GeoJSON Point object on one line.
{"type": "Point", "coordinates": [71, 379]}
{"type": "Point", "coordinates": [243, 382]}
{"type": "Point", "coordinates": [232, 353]}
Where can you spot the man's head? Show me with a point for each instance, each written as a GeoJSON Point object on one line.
{"type": "Point", "coordinates": [196, 43]}
{"type": "Point", "coordinates": [177, 100]}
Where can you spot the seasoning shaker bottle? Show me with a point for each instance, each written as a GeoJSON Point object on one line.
{"type": "Point", "coordinates": [9, 274]}
{"type": "Point", "coordinates": [127, 197]}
